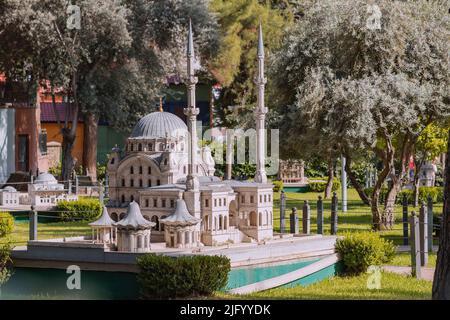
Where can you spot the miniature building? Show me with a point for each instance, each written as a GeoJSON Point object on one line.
{"type": "Point", "coordinates": [103, 229]}
{"type": "Point", "coordinates": [46, 191]}
{"type": "Point", "coordinates": [180, 231]}
{"type": "Point", "coordinates": [427, 175]}
{"type": "Point", "coordinates": [133, 231]}
{"type": "Point", "coordinates": [9, 196]}
{"type": "Point", "coordinates": [292, 171]}
{"type": "Point", "coordinates": [162, 163]}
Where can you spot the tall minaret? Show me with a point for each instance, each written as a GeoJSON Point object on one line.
{"type": "Point", "coordinates": [191, 113]}
{"type": "Point", "coordinates": [260, 114]}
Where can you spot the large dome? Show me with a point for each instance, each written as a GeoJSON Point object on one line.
{"type": "Point", "coordinates": [158, 125]}
{"type": "Point", "coordinates": [45, 178]}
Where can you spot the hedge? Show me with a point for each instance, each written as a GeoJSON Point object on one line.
{"type": "Point", "coordinates": [6, 223]}
{"type": "Point", "coordinates": [359, 250]}
{"type": "Point", "coordinates": [277, 185]}
{"type": "Point", "coordinates": [436, 193]}
{"type": "Point", "coordinates": [320, 186]}
{"type": "Point", "coordinates": [81, 209]}
{"type": "Point", "coordinates": [177, 277]}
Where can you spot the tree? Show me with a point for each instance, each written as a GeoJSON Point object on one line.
{"type": "Point", "coordinates": [441, 280]}
{"type": "Point", "coordinates": [63, 46]}
{"type": "Point", "coordinates": [370, 78]}
{"type": "Point", "coordinates": [431, 143]}
{"type": "Point", "coordinates": [234, 65]}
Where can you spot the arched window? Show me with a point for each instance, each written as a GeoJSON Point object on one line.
{"type": "Point", "coordinates": [155, 220]}
{"type": "Point", "coordinates": [131, 147]}
{"type": "Point", "coordinates": [140, 147]}
{"type": "Point", "coordinates": [132, 198]}
{"type": "Point", "coordinates": [140, 183]}
{"type": "Point", "coordinates": [158, 182]}
{"type": "Point", "coordinates": [165, 162]}
{"type": "Point", "coordinates": [162, 224]}
{"type": "Point", "coordinates": [131, 183]}
{"type": "Point", "coordinates": [146, 202]}
{"type": "Point", "coordinates": [260, 219]}
{"type": "Point", "coordinates": [149, 170]}
{"type": "Point", "coordinates": [123, 198]}
{"type": "Point", "coordinates": [114, 216]}
{"type": "Point", "coordinates": [140, 169]}
{"type": "Point", "coordinates": [131, 170]}
{"type": "Point", "coordinates": [112, 160]}
{"type": "Point", "coordinates": [184, 169]}
{"type": "Point", "coordinates": [150, 147]}
{"type": "Point", "coordinates": [149, 182]}
{"type": "Point", "coordinates": [123, 182]}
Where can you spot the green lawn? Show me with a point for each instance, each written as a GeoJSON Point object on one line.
{"type": "Point", "coordinates": [393, 287]}
{"type": "Point", "coordinates": [20, 233]}
{"type": "Point", "coordinates": [357, 218]}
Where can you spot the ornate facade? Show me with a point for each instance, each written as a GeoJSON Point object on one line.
{"type": "Point", "coordinates": [171, 178]}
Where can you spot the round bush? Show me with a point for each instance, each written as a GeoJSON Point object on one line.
{"type": "Point", "coordinates": [320, 186]}
{"type": "Point", "coordinates": [177, 277]}
{"type": "Point", "coordinates": [6, 223]}
{"type": "Point", "coordinates": [360, 250]}
{"type": "Point", "coordinates": [277, 185]}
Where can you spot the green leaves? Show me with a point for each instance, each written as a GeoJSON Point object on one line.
{"type": "Point", "coordinates": [184, 276]}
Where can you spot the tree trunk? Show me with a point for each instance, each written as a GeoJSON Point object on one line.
{"type": "Point", "coordinates": [388, 217]}
{"type": "Point", "coordinates": [329, 187]}
{"type": "Point", "coordinates": [374, 204]}
{"type": "Point", "coordinates": [90, 145]}
{"type": "Point", "coordinates": [441, 282]}
{"type": "Point", "coordinates": [362, 194]}
{"type": "Point", "coordinates": [68, 162]}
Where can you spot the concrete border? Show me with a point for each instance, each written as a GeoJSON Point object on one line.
{"type": "Point", "coordinates": [288, 277]}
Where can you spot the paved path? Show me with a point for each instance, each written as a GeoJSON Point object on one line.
{"type": "Point", "coordinates": [427, 273]}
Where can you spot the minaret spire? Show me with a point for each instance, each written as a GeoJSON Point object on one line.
{"type": "Point", "coordinates": [260, 113]}
{"type": "Point", "coordinates": [191, 112]}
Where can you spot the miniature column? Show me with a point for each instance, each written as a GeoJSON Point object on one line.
{"type": "Point", "coordinates": [294, 221]}
{"type": "Point", "coordinates": [423, 222]}
{"type": "Point", "coordinates": [334, 214]}
{"type": "Point", "coordinates": [430, 223]}
{"type": "Point", "coordinates": [306, 218]}
{"type": "Point", "coordinates": [405, 219]}
{"type": "Point", "coordinates": [320, 215]}
{"type": "Point", "coordinates": [282, 212]}
{"type": "Point", "coordinates": [343, 184]}
{"type": "Point", "coordinates": [415, 246]}
{"type": "Point", "coordinates": [33, 218]}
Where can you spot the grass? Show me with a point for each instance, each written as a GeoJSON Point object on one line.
{"type": "Point", "coordinates": [393, 287]}
{"type": "Point", "coordinates": [357, 218]}
{"type": "Point", "coordinates": [404, 259]}
{"type": "Point", "coordinates": [20, 234]}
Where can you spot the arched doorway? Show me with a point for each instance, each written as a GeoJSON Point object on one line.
{"type": "Point", "coordinates": [233, 213]}
{"type": "Point", "coordinates": [156, 221]}
{"type": "Point", "coordinates": [253, 219]}
{"type": "Point", "coordinates": [114, 216]}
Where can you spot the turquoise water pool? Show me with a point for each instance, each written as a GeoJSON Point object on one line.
{"type": "Point", "coordinates": [240, 277]}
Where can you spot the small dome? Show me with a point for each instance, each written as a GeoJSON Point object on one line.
{"type": "Point", "coordinates": [134, 218]}
{"type": "Point", "coordinates": [46, 178]}
{"type": "Point", "coordinates": [181, 216]}
{"type": "Point", "coordinates": [158, 125]}
{"type": "Point", "coordinates": [9, 189]}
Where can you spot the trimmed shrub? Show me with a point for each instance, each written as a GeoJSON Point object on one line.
{"type": "Point", "coordinates": [82, 209]}
{"type": "Point", "coordinates": [6, 223]}
{"type": "Point", "coordinates": [360, 250]}
{"type": "Point", "coordinates": [436, 193]}
{"type": "Point", "coordinates": [320, 186]}
{"type": "Point", "coordinates": [177, 277]}
{"type": "Point", "coordinates": [277, 185]}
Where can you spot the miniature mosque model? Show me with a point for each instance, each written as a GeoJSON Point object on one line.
{"type": "Point", "coordinates": [163, 188]}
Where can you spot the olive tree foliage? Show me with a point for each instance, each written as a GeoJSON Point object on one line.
{"type": "Point", "coordinates": [362, 77]}
{"type": "Point", "coordinates": [65, 47]}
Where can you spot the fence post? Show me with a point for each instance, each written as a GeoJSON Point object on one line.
{"type": "Point", "coordinates": [334, 213]}
{"type": "Point", "coordinates": [405, 219]}
{"type": "Point", "coordinates": [430, 223]}
{"type": "Point", "coordinates": [306, 221]}
{"type": "Point", "coordinates": [70, 187]}
{"type": "Point", "coordinates": [76, 184]}
{"type": "Point", "coordinates": [282, 212]}
{"type": "Point", "coordinates": [415, 246]}
{"type": "Point", "coordinates": [423, 222]}
{"type": "Point", "coordinates": [33, 221]}
{"type": "Point", "coordinates": [320, 215]}
{"type": "Point", "coordinates": [294, 221]}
